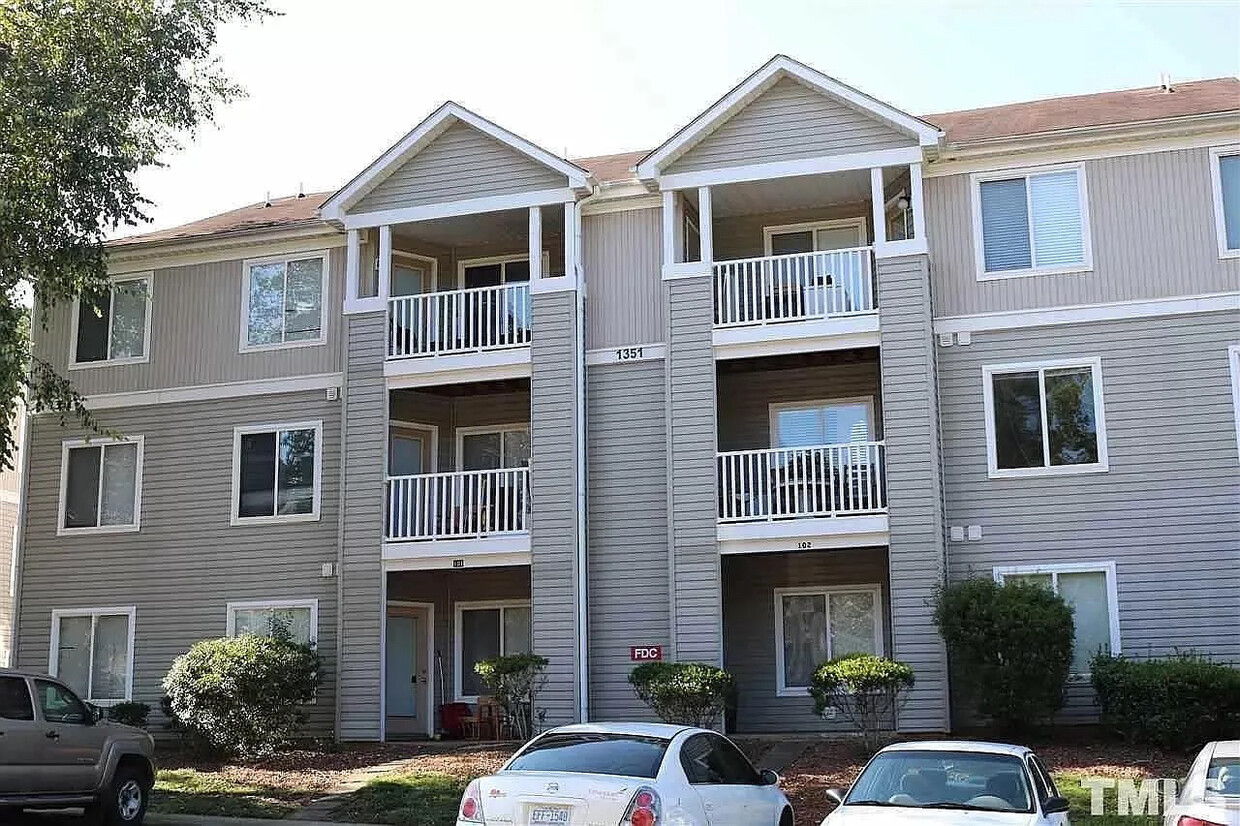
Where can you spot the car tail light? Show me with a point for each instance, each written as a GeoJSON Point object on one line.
{"type": "Point", "coordinates": [644, 808]}
{"type": "Point", "coordinates": [1185, 820]}
{"type": "Point", "coordinates": [471, 804]}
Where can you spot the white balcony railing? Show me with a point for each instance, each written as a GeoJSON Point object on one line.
{"type": "Point", "coordinates": [797, 287]}
{"type": "Point", "coordinates": [467, 504]}
{"type": "Point", "coordinates": [459, 321]}
{"type": "Point", "coordinates": [799, 482]}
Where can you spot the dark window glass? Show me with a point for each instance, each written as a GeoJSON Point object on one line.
{"type": "Point", "coordinates": [711, 759]}
{"type": "Point", "coordinates": [484, 275]}
{"type": "Point", "coordinates": [515, 271]}
{"type": "Point", "coordinates": [736, 768]}
{"type": "Point", "coordinates": [82, 488]}
{"type": "Point", "coordinates": [479, 641]}
{"type": "Point", "coordinates": [58, 704]}
{"type": "Point", "coordinates": [787, 243]}
{"type": "Point", "coordinates": [15, 699]}
{"type": "Point", "coordinates": [1039, 784]}
{"type": "Point", "coordinates": [695, 760]}
{"type": "Point", "coordinates": [256, 494]}
{"type": "Point", "coordinates": [1018, 421]}
{"type": "Point", "coordinates": [1070, 416]}
{"type": "Point", "coordinates": [296, 480]}
{"type": "Point", "coordinates": [594, 754]}
{"type": "Point", "coordinates": [92, 340]}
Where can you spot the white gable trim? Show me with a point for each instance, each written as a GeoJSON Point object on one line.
{"type": "Point", "coordinates": [425, 132]}
{"type": "Point", "coordinates": [757, 83]}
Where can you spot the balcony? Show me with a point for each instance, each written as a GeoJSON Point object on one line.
{"type": "Point", "coordinates": [464, 513]}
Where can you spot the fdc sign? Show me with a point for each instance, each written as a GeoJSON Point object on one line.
{"type": "Point", "coordinates": [646, 653]}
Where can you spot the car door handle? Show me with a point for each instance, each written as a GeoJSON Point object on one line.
{"type": "Point", "coordinates": [53, 735]}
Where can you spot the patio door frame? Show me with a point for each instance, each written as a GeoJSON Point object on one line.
{"type": "Point", "coordinates": [429, 654]}
{"type": "Point", "coordinates": [811, 227]}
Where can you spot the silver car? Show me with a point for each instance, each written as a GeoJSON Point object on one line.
{"type": "Point", "coordinates": [1211, 792]}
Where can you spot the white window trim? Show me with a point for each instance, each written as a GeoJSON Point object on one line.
{"type": "Point", "coordinates": [774, 409]}
{"type": "Point", "coordinates": [1233, 359]}
{"type": "Point", "coordinates": [69, 445]}
{"type": "Point", "coordinates": [243, 341]}
{"type": "Point", "coordinates": [462, 432]}
{"type": "Point", "coordinates": [53, 659]}
{"type": "Point", "coordinates": [1104, 567]}
{"type": "Point", "coordinates": [458, 639]}
{"type": "Point", "coordinates": [975, 200]}
{"type": "Point", "coordinates": [781, 688]}
{"type": "Point", "coordinates": [809, 226]}
{"type": "Point", "coordinates": [430, 431]}
{"type": "Point", "coordinates": [462, 265]}
{"type": "Point", "coordinates": [989, 371]}
{"type": "Point", "coordinates": [275, 604]}
{"type": "Point", "coordinates": [74, 364]}
{"type": "Point", "coordinates": [432, 270]}
{"type": "Point", "coordinates": [1216, 185]}
{"type": "Point", "coordinates": [235, 506]}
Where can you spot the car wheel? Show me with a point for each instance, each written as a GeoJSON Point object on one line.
{"type": "Point", "coordinates": [124, 803]}
{"type": "Point", "coordinates": [785, 817]}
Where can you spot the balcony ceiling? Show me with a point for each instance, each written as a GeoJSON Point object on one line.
{"type": "Point", "coordinates": [509, 228]}
{"type": "Point", "coordinates": [786, 194]}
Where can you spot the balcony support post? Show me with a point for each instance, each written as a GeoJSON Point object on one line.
{"type": "Point", "coordinates": [916, 202]}
{"type": "Point", "coordinates": [705, 226]}
{"type": "Point", "coordinates": [879, 205]}
{"type": "Point", "coordinates": [385, 261]}
{"type": "Point", "coordinates": [535, 241]}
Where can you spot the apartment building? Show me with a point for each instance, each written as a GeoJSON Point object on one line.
{"type": "Point", "coordinates": [747, 398]}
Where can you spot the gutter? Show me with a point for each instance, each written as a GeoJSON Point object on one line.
{"type": "Point", "coordinates": [579, 354]}
{"type": "Point", "coordinates": [20, 533]}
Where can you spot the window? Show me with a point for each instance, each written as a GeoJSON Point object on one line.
{"type": "Point", "coordinates": [819, 236]}
{"type": "Point", "coordinates": [58, 705]}
{"type": "Point", "coordinates": [1031, 222]}
{"type": "Point", "coordinates": [593, 753]}
{"type": "Point", "coordinates": [491, 272]}
{"type": "Point", "coordinates": [1044, 418]}
{"type": "Point", "coordinates": [816, 624]}
{"type": "Point", "coordinates": [710, 760]}
{"type": "Point", "coordinates": [483, 631]}
{"type": "Point", "coordinates": [282, 302]}
{"type": "Point", "coordinates": [92, 652]}
{"type": "Point", "coordinates": [493, 447]}
{"type": "Point", "coordinates": [276, 473]}
{"type": "Point", "coordinates": [835, 422]}
{"type": "Point", "coordinates": [1090, 590]}
{"type": "Point", "coordinates": [100, 485]}
{"type": "Point", "coordinates": [15, 699]}
{"type": "Point", "coordinates": [1225, 176]}
{"type": "Point", "coordinates": [119, 331]}
{"type": "Point", "coordinates": [300, 618]}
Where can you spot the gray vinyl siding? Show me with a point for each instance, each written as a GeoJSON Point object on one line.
{"type": "Point", "coordinates": [196, 335]}
{"type": "Point", "coordinates": [790, 121]}
{"type": "Point", "coordinates": [623, 259]}
{"type": "Point", "coordinates": [745, 420]}
{"type": "Point", "coordinates": [914, 485]}
{"type": "Point", "coordinates": [628, 562]}
{"type": "Point", "coordinates": [451, 412]}
{"type": "Point", "coordinates": [1168, 510]}
{"type": "Point", "coordinates": [360, 578]}
{"type": "Point", "coordinates": [749, 617]}
{"type": "Point", "coordinates": [1152, 226]}
{"type": "Point", "coordinates": [554, 515]}
{"type": "Point", "coordinates": [692, 501]}
{"type": "Point", "coordinates": [742, 236]}
{"type": "Point", "coordinates": [460, 163]}
{"type": "Point", "coordinates": [187, 561]}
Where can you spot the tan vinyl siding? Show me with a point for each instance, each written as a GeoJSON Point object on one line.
{"type": "Point", "coordinates": [628, 562]}
{"type": "Point", "coordinates": [623, 259]}
{"type": "Point", "coordinates": [187, 561]}
{"type": "Point", "coordinates": [914, 485]}
{"type": "Point", "coordinates": [790, 121]}
{"type": "Point", "coordinates": [461, 163]}
{"type": "Point", "coordinates": [1152, 226]}
{"type": "Point", "coordinates": [749, 617]}
{"type": "Point", "coordinates": [196, 335]}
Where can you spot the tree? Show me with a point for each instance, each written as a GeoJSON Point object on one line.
{"type": "Point", "coordinates": [91, 91]}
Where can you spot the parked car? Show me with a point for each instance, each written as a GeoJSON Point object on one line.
{"type": "Point", "coordinates": [1210, 794]}
{"type": "Point", "coordinates": [631, 774]}
{"type": "Point", "coordinates": [56, 751]}
{"type": "Point", "coordinates": [934, 782]}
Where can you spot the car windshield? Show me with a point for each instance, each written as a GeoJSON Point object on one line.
{"type": "Point", "coordinates": [943, 780]}
{"type": "Point", "coordinates": [619, 754]}
{"type": "Point", "coordinates": [1223, 777]}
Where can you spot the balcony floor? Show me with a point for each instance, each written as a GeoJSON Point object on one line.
{"type": "Point", "coordinates": [486, 551]}
{"type": "Point", "coordinates": [456, 368]}
{"type": "Point", "coordinates": [807, 533]}
{"type": "Point", "coordinates": [779, 338]}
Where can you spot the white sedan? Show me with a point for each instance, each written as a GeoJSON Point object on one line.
{"type": "Point", "coordinates": [627, 774]}
{"type": "Point", "coordinates": [1211, 792]}
{"type": "Point", "coordinates": [981, 784]}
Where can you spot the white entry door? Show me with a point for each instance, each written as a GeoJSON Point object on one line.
{"type": "Point", "coordinates": [405, 677]}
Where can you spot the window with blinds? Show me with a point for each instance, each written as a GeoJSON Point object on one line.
{"type": "Point", "coordinates": [1227, 201]}
{"type": "Point", "coordinates": [1032, 222]}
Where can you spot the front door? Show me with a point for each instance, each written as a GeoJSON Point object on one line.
{"type": "Point", "coordinates": [406, 677]}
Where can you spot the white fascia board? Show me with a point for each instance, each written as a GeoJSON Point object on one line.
{"type": "Point", "coordinates": [467, 206]}
{"type": "Point", "coordinates": [788, 169]}
{"type": "Point", "coordinates": [456, 368]}
{"type": "Point", "coordinates": [1089, 313]}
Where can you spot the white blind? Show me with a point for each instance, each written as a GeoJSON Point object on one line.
{"type": "Point", "coordinates": [1057, 237]}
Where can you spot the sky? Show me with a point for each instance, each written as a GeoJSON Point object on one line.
{"type": "Point", "coordinates": [331, 84]}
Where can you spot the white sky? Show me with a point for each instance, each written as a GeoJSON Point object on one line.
{"type": "Point", "coordinates": [332, 84]}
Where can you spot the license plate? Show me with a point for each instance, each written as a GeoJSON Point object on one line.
{"type": "Point", "coordinates": [549, 815]}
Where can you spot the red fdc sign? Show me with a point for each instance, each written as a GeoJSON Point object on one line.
{"type": "Point", "coordinates": [645, 653]}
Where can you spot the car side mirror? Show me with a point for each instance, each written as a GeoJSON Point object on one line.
{"type": "Point", "coordinates": [769, 777]}
{"type": "Point", "coordinates": [95, 713]}
{"type": "Point", "coordinates": [1056, 805]}
{"type": "Point", "coordinates": [836, 796]}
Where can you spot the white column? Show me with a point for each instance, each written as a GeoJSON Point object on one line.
{"type": "Point", "coordinates": [352, 264]}
{"type": "Point", "coordinates": [917, 202]}
{"type": "Point", "coordinates": [706, 231]}
{"type": "Point", "coordinates": [879, 205]}
{"type": "Point", "coordinates": [385, 261]}
{"type": "Point", "coordinates": [669, 228]}
{"type": "Point", "coordinates": [535, 241]}
{"type": "Point", "coordinates": [571, 253]}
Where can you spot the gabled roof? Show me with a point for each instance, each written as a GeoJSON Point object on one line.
{"type": "Point", "coordinates": [432, 127]}
{"type": "Point", "coordinates": [277, 213]}
{"type": "Point", "coordinates": [768, 75]}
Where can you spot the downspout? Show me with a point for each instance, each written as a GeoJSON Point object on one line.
{"type": "Point", "coordinates": [18, 564]}
{"type": "Point", "coordinates": [579, 353]}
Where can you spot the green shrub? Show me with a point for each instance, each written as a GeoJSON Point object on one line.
{"type": "Point", "coordinates": [689, 694]}
{"type": "Point", "coordinates": [865, 688]}
{"type": "Point", "coordinates": [1178, 702]}
{"type": "Point", "coordinates": [515, 679]}
{"type": "Point", "coordinates": [130, 714]}
{"type": "Point", "coordinates": [1010, 647]}
{"type": "Point", "coordinates": [243, 695]}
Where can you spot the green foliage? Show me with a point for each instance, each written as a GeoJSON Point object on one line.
{"type": "Point", "coordinates": [515, 679]}
{"type": "Point", "coordinates": [1178, 702]}
{"type": "Point", "coordinates": [865, 688]}
{"type": "Point", "coordinates": [1010, 647]}
{"type": "Point", "coordinates": [130, 714]}
{"type": "Point", "coordinates": [243, 695]}
{"type": "Point", "coordinates": [91, 92]}
{"type": "Point", "coordinates": [690, 694]}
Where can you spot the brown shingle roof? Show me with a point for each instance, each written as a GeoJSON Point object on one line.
{"type": "Point", "coordinates": [1013, 120]}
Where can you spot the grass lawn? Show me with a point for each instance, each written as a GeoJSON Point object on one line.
{"type": "Point", "coordinates": [406, 799]}
{"type": "Point", "coordinates": [1069, 786]}
{"type": "Point", "coordinates": [195, 792]}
